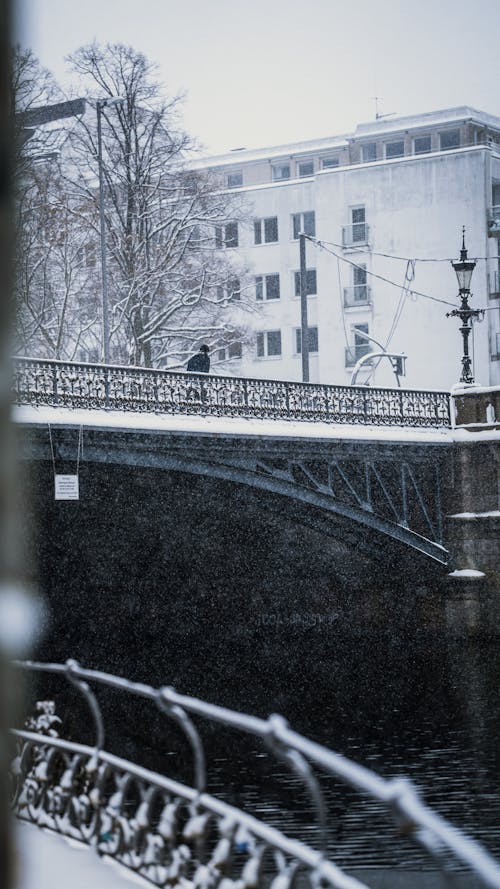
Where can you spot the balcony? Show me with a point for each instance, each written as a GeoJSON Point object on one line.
{"type": "Point", "coordinates": [358, 295]}
{"type": "Point", "coordinates": [494, 222]}
{"type": "Point", "coordinates": [354, 353]}
{"type": "Point", "coordinates": [495, 285]}
{"type": "Point", "coordinates": [356, 235]}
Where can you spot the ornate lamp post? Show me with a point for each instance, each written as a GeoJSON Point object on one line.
{"type": "Point", "coordinates": [464, 268]}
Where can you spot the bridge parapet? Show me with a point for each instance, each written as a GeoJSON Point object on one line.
{"type": "Point", "coordinates": [174, 834]}
{"type": "Point", "coordinates": [110, 387]}
{"type": "Point", "coordinates": [477, 406]}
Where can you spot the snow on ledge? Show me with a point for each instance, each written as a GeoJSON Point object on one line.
{"type": "Point", "coordinates": [467, 573]}
{"type": "Point", "coordinates": [135, 421]}
{"type": "Point", "coordinates": [493, 514]}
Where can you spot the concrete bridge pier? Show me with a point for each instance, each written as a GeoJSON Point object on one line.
{"type": "Point", "coordinates": [472, 513]}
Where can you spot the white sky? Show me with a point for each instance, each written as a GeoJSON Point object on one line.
{"type": "Point", "coordinates": [264, 72]}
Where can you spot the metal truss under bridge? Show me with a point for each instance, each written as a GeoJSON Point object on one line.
{"type": "Point", "coordinates": [176, 834]}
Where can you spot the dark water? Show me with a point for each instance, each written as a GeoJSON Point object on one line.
{"type": "Point", "coordinates": [222, 596]}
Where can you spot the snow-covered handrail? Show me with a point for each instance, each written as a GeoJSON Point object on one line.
{"type": "Point", "coordinates": [159, 829]}
{"type": "Point", "coordinates": [110, 387]}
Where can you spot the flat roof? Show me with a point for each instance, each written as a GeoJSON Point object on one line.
{"type": "Point", "coordinates": [374, 128]}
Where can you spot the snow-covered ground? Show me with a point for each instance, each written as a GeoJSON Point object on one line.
{"type": "Point", "coordinates": [48, 861]}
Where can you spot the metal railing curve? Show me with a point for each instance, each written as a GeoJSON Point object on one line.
{"type": "Point", "coordinates": [169, 832]}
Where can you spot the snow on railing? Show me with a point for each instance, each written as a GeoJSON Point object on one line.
{"type": "Point", "coordinates": [173, 834]}
{"type": "Point", "coordinates": [110, 387]}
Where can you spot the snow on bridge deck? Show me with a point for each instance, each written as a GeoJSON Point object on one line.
{"type": "Point", "coordinates": [46, 860]}
{"type": "Point", "coordinates": [239, 427]}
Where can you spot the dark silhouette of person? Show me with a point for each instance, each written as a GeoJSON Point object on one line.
{"type": "Point", "coordinates": [200, 363]}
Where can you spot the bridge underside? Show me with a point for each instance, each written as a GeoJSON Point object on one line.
{"type": "Point", "coordinates": [210, 542]}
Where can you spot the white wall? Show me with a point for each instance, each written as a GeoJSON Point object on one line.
{"type": "Point", "coordinates": [415, 207]}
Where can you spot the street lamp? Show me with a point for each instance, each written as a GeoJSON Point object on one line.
{"type": "Point", "coordinates": [100, 105]}
{"type": "Point", "coordinates": [464, 268]}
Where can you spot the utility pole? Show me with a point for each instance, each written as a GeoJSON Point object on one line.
{"type": "Point", "coordinates": [100, 104]}
{"type": "Point", "coordinates": [304, 334]}
{"type": "Point", "coordinates": [104, 293]}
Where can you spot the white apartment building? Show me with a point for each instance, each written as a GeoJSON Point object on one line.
{"type": "Point", "coordinates": [387, 203]}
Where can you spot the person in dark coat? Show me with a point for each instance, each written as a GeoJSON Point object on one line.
{"type": "Point", "coordinates": [200, 363]}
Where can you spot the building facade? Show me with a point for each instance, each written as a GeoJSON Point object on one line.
{"type": "Point", "coordinates": [383, 208]}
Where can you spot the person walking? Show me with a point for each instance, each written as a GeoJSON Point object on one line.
{"type": "Point", "coordinates": [200, 363]}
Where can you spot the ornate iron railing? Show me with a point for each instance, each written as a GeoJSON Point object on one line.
{"type": "Point", "coordinates": [173, 834]}
{"type": "Point", "coordinates": [108, 387]}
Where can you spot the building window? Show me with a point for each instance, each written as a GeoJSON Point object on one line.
{"type": "Point", "coordinates": [360, 346]}
{"type": "Point", "coordinates": [306, 168]}
{"type": "Point", "coordinates": [358, 294]}
{"type": "Point", "coordinates": [229, 291]}
{"type": "Point", "coordinates": [234, 350]}
{"type": "Point", "coordinates": [281, 171]}
{"type": "Point", "coordinates": [395, 149]}
{"type": "Point", "coordinates": [422, 144]}
{"type": "Point", "coordinates": [190, 184]}
{"type": "Point", "coordinates": [226, 235]}
{"type": "Point", "coordinates": [450, 139]}
{"type": "Point", "coordinates": [267, 287]}
{"type": "Point", "coordinates": [311, 287]}
{"type": "Point", "coordinates": [235, 179]}
{"type": "Point", "coordinates": [359, 282]}
{"type": "Point", "coordinates": [328, 162]}
{"type": "Point", "coordinates": [369, 152]}
{"type": "Point", "coordinates": [265, 230]}
{"type": "Point", "coordinates": [304, 222]}
{"type": "Point", "coordinates": [269, 344]}
{"type": "Point", "coordinates": [312, 340]}
{"type": "Point", "coordinates": [358, 216]}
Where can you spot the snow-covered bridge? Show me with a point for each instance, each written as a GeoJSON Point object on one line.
{"type": "Point", "coordinates": [367, 466]}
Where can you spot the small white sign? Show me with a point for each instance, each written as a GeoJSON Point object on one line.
{"type": "Point", "coordinates": [66, 487]}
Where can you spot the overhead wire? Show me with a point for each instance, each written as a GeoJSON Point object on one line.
{"type": "Point", "coordinates": [407, 258]}
{"type": "Point", "coordinates": [412, 292]}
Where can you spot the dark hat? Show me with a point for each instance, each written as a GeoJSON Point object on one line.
{"type": "Point", "coordinates": [204, 349]}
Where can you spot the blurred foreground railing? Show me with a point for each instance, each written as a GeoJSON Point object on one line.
{"type": "Point", "coordinates": [174, 834]}
{"type": "Point", "coordinates": [109, 387]}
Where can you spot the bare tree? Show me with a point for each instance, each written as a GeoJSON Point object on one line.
{"type": "Point", "coordinates": [171, 280]}
{"type": "Point", "coordinates": [57, 285]}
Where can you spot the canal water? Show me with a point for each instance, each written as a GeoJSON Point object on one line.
{"type": "Point", "coordinates": [223, 598]}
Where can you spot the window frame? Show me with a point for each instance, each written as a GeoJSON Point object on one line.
{"type": "Point", "coordinates": [296, 283]}
{"type": "Point", "coordinates": [230, 291]}
{"type": "Point", "coordinates": [352, 211]}
{"type": "Point", "coordinates": [425, 136]}
{"type": "Point", "coordinates": [298, 340]}
{"type": "Point", "coordinates": [259, 225]}
{"type": "Point", "coordinates": [234, 173]}
{"type": "Point", "coordinates": [265, 342]}
{"type": "Point", "coordinates": [221, 236]}
{"type": "Point", "coordinates": [261, 283]}
{"type": "Point", "coordinates": [308, 163]}
{"type": "Point", "coordinates": [329, 163]}
{"type": "Point", "coordinates": [302, 224]}
{"type": "Point", "coordinates": [367, 145]}
{"type": "Point", "coordinates": [445, 133]}
{"type": "Point", "coordinates": [284, 166]}
{"type": "Point", "coordinates": [401, 153]}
